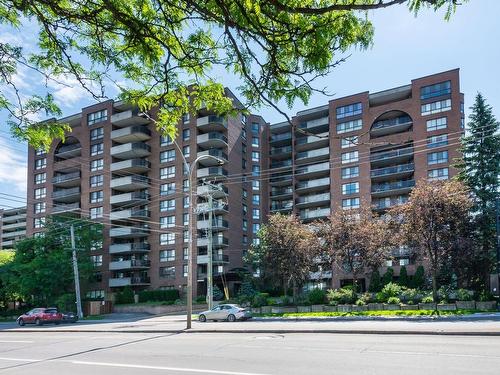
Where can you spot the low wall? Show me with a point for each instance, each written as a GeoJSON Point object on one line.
{"type": "Point", "coordinates": [156, 309]}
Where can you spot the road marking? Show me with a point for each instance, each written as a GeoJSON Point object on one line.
{"type": "Point", "coordinates": [20, 359]}
{"type": "Point", "coordinates": [20, 341]}
{"type": "Point", "coordinates": [179, 369]}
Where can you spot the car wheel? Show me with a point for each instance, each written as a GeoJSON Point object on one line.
{"type": "Point", "coordinates": [231, 318]}
{"type": "Point", "coordinates": [202, 318]}
{"type": "Point", "coordinates": [20, 322]}
{"type": "Point", "coordinates": [38, 322]}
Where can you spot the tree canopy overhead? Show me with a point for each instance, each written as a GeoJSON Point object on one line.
{"type": "Point", "coordinates": [159, 48]}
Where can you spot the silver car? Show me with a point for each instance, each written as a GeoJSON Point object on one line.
{"type": "Point", "coordinates": [227, 312]}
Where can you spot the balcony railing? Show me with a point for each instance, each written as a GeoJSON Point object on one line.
{"type": "Point", "coordinates": [392, 170]}
{"type": "Point", "coordinates": [393, 186]}
{"type": "Point", "coordinates": [283, 205]}
{"type": "Point", "coordinates": [392, 122]}
{"type": "Point", "coordinates": [383, 204]}
{"type": "Point", "coordinates": [391, 154]}
{"type": "Point", "coordinates": [68, 148]}
{"type": "Point", "coordinates": [313, 183]}
{"type": "Point", "coordinates": [280, 150]}
{"type": "Point", "coordinates": [281, 137]}
{"type": "Point", "coordinates": [278, 192]}
{"type": "Point", "coordinates": [66, 177]}
{"type": "Point", "coordinates": [281, 164]}
{"type": "Point", "coordinates": [314, 123]}
{"type": "Point", "coordinates": [313, 198]}
{"type": "Point", "coordinates": [66, 193]}
{"type": "Point", "coordinates": [313, 214]}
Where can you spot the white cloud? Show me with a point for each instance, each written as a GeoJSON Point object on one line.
{"type": "Point", "coordinates": [13, 168]}
{"type": "Point", "coordinates": [67, 91]}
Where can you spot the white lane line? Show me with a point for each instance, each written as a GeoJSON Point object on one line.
{"type": "Point", "coordinates": [178, 369]}
{"type": "Point", "coordinates": [20, 341]}
{"type": "Point", "coordinates": [20, 359]}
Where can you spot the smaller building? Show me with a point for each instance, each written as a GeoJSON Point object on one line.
{"type": "Point", "coordinates": [12, 227]}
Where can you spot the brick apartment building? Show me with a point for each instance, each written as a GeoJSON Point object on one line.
{"type": "Point", "coordinates": [367, 148]}
{"type": "Point", "coordinates": [12, 227]}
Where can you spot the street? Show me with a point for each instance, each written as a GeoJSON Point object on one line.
{"type": "Point", "coordinates": [75, 353]}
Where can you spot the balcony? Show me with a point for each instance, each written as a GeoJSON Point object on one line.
{"type": "Point", "coordinates": [390, 188]}
{"type": "Point", "coordinates": [19, 225]}
{"type": "Point", "coordinates": [280, 152]}
{"type": "Point", "coordinates": [127, 118]}
{"type": "Point", "coordinates": [313, 141]}
{"type": "Point", "coordinates": [313, 199]}
{"type": "Point", "coordinates": [129, 281]}
{"type": "Point", "coordinates": [129, 264]}
{"type": "Point", "coordinates": [211, 123]}
{"type": "Point", "coordinates": [281, 139]}
{"type": "Point", "coordinates": [384, 158]}
{"type": "Point", "coordinates": [212, 157]}
{"type": "Point", "coordinates": [217, 191]}
{"type": "Point", "coordinates": [136, 198]}
{"type": "Point", "coordinates": [131, 166]}
{"type": "Point", "coordinates": [316, 184]}
{"type": "Point", "coordinates": [217, 207]}
{"type": "Point", "coordinates": [281, 179]}
{"type": "Point", "coordinates": [391, 126]}
{"type": "Point", "coordinates": [400, 171]}
{"type": "Point", "coordinates": [212, 173]}
{"type": "Point", "coordinates": [217, 241]}
{"type": "Point", "coordinates": [283, 192]}
{"type": "Point", "coordinates": [217, 224]}
{"type": "Point", "coordinates": [389, 202]}
{"type": "Point", "coordinates": [314, 170]}
{"type": "Point", "coordinates": [69, 151]}
{"type": "Point", "coordinates": [14, 218]}
{"type": "Point", "coordinates": [67, 195]}
{"type": "Point", "coordinates": [130, 183]}
{"type": "Point", "coordinates": [129, 232]}
{"type": "Point", "coordinates": [315, 124]}
{"type": "Point", "coordinates": [216, 259]}
{"type": "Point", "coordinates": [281, 164]}
{"type": "Point", "coordinates": [313, 155]}
{"type": "Point", "coordinates": [278, 206]}
{"type": "Point", "coordinates": [14, 234]}
{"type": "Point", "coordinates": [131, 150]}
{"type": "Point", "coordinates": [136, 133]}
{"type": "Point", "coordinates": [134, 213]}
{"type": "Point", "coordinates": [67, 180]}
{"type": "Point", "coordinates": [132, 247]}
{"type": "Point", "coordinates": [66, 208]}
{"type": "Point", "coordinates": [312, 214]}
{"type": "Point", "coordinates": [212, 140]}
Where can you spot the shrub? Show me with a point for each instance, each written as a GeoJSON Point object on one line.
{"type": "Point", "coordinates": [247, 291]}
{"type": "Point", "coordinates": [419, 278]}
{"type": "Point", "coordinates": [463, 295]}
{"type": "Point", "coordinates": [260, 299]}
{"type": "Point", "coordinates": [125, 296]}
{"type": "Point", "coordinates": [411, 295]}
{"type": "Point", "coordinates": [427, 299]}
{"type": "Point", "coordinates": [393, 300]}
{"type": "Point", "coordinates": [317, 296]}
{"type": "Point", "coordinates": [360, 302]}
{"type": "Point", "coordinates": [199, 299]}
{"type": "Point", "coordinates": [403, 277]}
{"type": "Point", "coordinates": [217, 293]}
{"type": "Point", "coordinates": [66, 302]}
{"type": "Point", "coordinates": [375, 282]}
{"type": "Point", "coordinates": [388, 275]}
{"type": "Point", "coordinates": [158, 295]}
{"type": "Point", "coordinates": [390, 290]}
{"type": "Point", "coordinates": [485, 296]}
{"type": "Point", "coordinates": [342, 296]}
{"type": "Point", "coordinates": [366, 298]}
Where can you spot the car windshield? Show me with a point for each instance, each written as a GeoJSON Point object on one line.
{"type": "Point", "coordinates": [51, 311]}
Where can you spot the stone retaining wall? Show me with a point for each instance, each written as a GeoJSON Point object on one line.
{"type": "Point", "coordinates": [156, 309]}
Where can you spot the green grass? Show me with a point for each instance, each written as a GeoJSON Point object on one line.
{"type": "Point", "coordinates": [93, 317]}
{"type": "Point", "coordinates": [149, 303]}
{"type": "Point", "coordinates": [7, 319]}
{"type": "Point", "coordinates": [369, 313]}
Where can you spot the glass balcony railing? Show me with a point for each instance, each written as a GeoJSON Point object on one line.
{"type": "Point", "coordinates": [391, 154]}
{"type": "Point", "coordinates": [392, 122]}
{"type": "Point", "coordinates": [393, 186]}
{"type": "Point", "coordinates": [281, 150]}
{"type": "Point", "coordinates": [281, 137]}
{"type": "Point", "coordinates": [278, 192]}
{"type": "Point", "coordinates": [392, 170]}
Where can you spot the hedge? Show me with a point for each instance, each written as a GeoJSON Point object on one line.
{"type": "Point", "coordinates": [158, 295]}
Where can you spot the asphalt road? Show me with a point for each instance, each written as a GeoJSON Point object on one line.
{"type": "Point", "coordinates": [46, 352]}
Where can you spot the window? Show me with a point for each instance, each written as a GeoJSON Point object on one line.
{"type": "Point", "coordinates": [97, 165]}
{"type": "Point", "coordinates": [95, 294]}
{"type": "Point", "coordinates": [185, 185]}
{"type": "Point", "coordinates": [255, 170]}
{"type": "Point", "coordinates": [40, 152]}
{"type": "Point", "coordinates": [165, 140]}
{"type": "Point", "coordinates": [96, 260]}
{"type": "Point", "coordinates": [185, 168]}
{"type": "Point", "coordinates": [167, 272]}
{"type": "Point", "coordinates": [255, 128]}
{"type": "Point", "coordinates": [185, 235]}
{"type": "Point", "coordinates": [437, 124]}
{"type": "Point", "coordinates": [243, 148]}
{"type": "Point", "coordinates": [96, 196]}
{"type": "Point", "coordinates": [436, 107]}
{"type": "Point", "coordinates": [437, 157]}
{"type": "Point", "coordinates": [168, 205]}
{"type": "Point", "coordinates": [243, 133]}
{"type": "Point", "coordinates": [40, 193]}
{"type": "Point", "coordinates": [349, 110]}
{"type": "Point", "coordinates": [167, 172]}
{"type": "Point", "coordinates": [185, 202]}
{"type": "Point", "coordinates": [255, 141]}
{"type": "Point", "coordinates": [96, 245]}
{"type": "Point", "coordinates": [244, 193]}
{"type": "Point", "coordinates": [167, 189]}
{"type": "Point", "coordinates": [185, 117]}
{"type": "Point", "coordinates": [404, 261]}
{"type": "Point", "coordinates": [256, 156]}
{"type": "Point", "coordinates": [244, 209]}
{"type": "Point", "coordinates": [40, 163]}
{"type": "Point", "coordinates": [350, 203]}
{"type": "Point", "coordinates": [243, 163]}
{"type": "Point", "coordinates": [40, 178]}
{"type": "Point", "coordinates": [97, 133]}
{"type": "Point", "coordinates": [97, 180]}
{"type": "Point", "coordinates": [39, 222]}
{"type": "Point", "coordinates": [244, 225]}
{"type": "Point", "coordinates": [255, 185]}
{"type": "Point", "coordinates": [349, 126]}
{"type": "Point", "coordinates": [437, 141]}
{"type": "Point", "coordinates": [243, 118]}
{"type": "Point", "coordinates": [167, 221]}
{"type": "Point", "coordinates": [350, 172]}
{"type": "Point", "coordinates": [185, 253]}
{"type": "Point", "coordinates": [256, 199]}
{"type": "Point", "coordinates": [255, 228]}
{"type": "Point", "coordinates": [350, 188]}
{"type": "Point", "coordinates": [96, 212]}
{"type": "Point", "coordinates": [185, 219]}
{"type": "Point", "coordinates": [462, 123]}
{"type": "Point", "coordinates": [350, 157]}
{"type": "Point", "coordinates": [244, 239]}
{"type": "Point", "coordinates": [39, 207]}
{"type": "Point", "coordinates": [166, 156]}
{"type": "Point", "coordinates": [186, 134]}
{"type": "Point", "coordinates": [95, 117]}
{"type": "Point", "coordinates": [256, 241]}
{"type": "Point", "coordinates": [167, 255]}
{"type": "Point", "coordinates": [438, 174]}
{"type": "Point", "coordinates": [349, 141]}
{"type": "Point", "coordinates": [438, 89]}
{"type": "Point", "coordinates": [255, 213]}
{"type": "Point", "coordinates": [184, 270]}
{"type": "Point", "coordinates": [167, 238]}
{"type": "Point", "coordinates": [186, 151]}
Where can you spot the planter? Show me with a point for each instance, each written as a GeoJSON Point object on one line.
{"type": "Point", "coordinates": [265, 309]}
{"type": "Point", "coordinates": [303, 309]}
{"type": "Point", "coordinates": [466, 305]}
{"type": "Point", "coordinates": [446, 307]}
{"type": "Point", "coordinates": [392, 306]}
{"type": "Point", "coordinates": [317, 308]}
{"type": "Point", "coordinates": [375, 306]}
{"type": "Point", "coordinates": [360, 308]}
{"type": "Point", "coordinates": [427, 306]}
{"type": "Point", "coordinates": [409, 307]}
{"type": "Point", "coordinates": [344, 308]}
{"type": "Point", "coordinates": [289, 309]}
{"type": "Point", "coordinates": [330, 308]}
{"type": "Point", "coordinates": [256, 310]}
{"type": "Point", "coordinates": [486, 305]}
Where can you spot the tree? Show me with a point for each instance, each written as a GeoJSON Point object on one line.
{"type": "Point", "coordinates": [5, 259]}
{"type": "Point", "coordinates": [434, 222]}
{"type": "Point", "coordinates": [480, 171]}
{"type": "Point", "coordinates": [418, 280]}
{"type": "Point", "coordinates": [153, 50]}
{"type": "Point", "coordinates": [375, 282]}
{"type": "Point", "coordinates": [354, 241]}
{"type": "Point", "coordinates": [403, 276]}
{"type": "Point", "coordinates": [41, 270]}
{"type": "Point", "coordinates": [388, 276]}
{"type": "Point", "coordinates": [286, 252]}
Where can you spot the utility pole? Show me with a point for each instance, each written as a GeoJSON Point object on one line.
{"type": "Point", "coordinates": [210, 281]}
{"type": "Point", "coordinates": [76, 275]}
{"type": "Point", "coordinates": [497, 221]}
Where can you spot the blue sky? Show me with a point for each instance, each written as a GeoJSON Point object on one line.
{"type": "Point", "coordinates": [404, 47]}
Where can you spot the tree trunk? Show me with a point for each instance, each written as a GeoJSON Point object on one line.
{"type": "Point", "coordinates": [434, 287]}
{"type": "Point", "coordinates": [333, 269]}
{"type": "Point", "coordinates": [294, 289]}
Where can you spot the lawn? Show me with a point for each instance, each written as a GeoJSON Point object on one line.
{"type": "Point", "coordinates": [382, 313]}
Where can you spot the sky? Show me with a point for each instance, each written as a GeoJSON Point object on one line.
{"type": "Point", "coordinates": [405, 47]}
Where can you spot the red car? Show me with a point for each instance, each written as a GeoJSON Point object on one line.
{"type": "Point", "coordinates": [40, 316]}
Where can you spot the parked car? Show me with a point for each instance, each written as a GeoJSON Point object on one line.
{"type": "Point", "coordinates": [40, 316]}
{"type": "Point", "coordinates": [227, 312]}
{"type": "Point", "coordinates": [69, 317]}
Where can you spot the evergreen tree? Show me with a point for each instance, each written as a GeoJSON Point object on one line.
{"type": "Point", "coordinates": [387, 278]}
{"type": "Point", "coordinates": [375, 282]}
{"type": "Point", "coordinates": [403, 276]}
{"type": "Point", "coordinates": [480, 171]}
{"type": "Point", "coordinates": [419, 278]}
